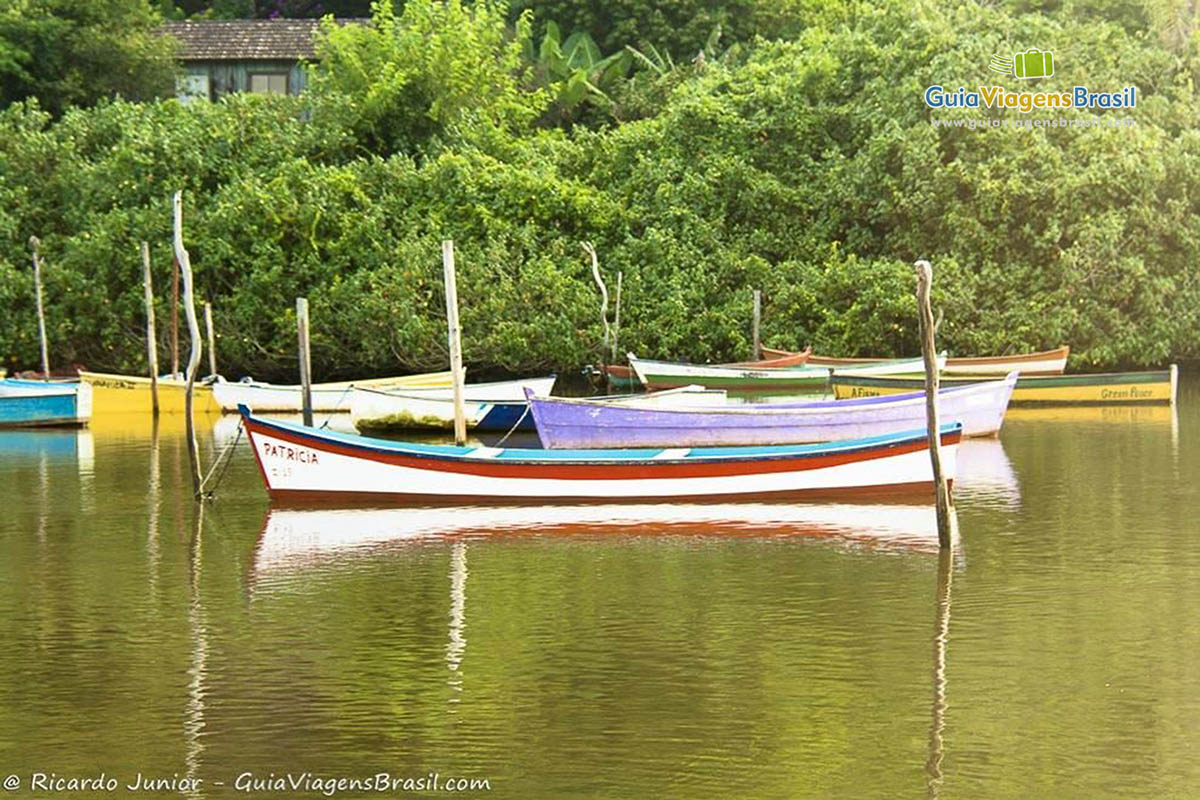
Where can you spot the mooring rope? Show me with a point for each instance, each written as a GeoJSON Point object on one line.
{"type": "Point", "coordinates": [516, 424]}
{"type": "Point", "coordinates": [335, 408]}
{"type": "Point", "coordinates": [227, 457]}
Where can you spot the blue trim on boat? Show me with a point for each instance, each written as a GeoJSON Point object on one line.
{"type": "Point", "coordinates": [632, 455]}
{"type": "Point", "coordinates": [52, 408]}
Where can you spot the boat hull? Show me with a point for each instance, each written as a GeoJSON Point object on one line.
{"type": "Point", "coordinates": [301, 464]}
{"type": "Point", "coordinates": [130, 394]}
{"type": "Point", "coordinates": [564, 423]}
{"type": "Point", "coordinates": [378, 411]}
{"type": "Point", "coordinates": [1046, 362]}
{"type": "Point", "coordinates": [1096, 389]}
{"type": "Point", "coordinates": [671, 375]}
{"type": "Point", "coordinates": [24, 404]}
{"type": "Point", "coordinates": [326, 397]}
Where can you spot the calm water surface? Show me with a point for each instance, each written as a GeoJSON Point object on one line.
{"type": "Point", "coordinates": [771, 651]}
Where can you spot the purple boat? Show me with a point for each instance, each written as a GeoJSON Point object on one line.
{"type": "Point", "coordinates": [579, 423]}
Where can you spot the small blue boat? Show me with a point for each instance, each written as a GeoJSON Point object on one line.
{"type": "Point", "coordinates": [26, 404]}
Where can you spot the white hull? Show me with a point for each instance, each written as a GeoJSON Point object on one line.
{"type": "Point", "coordinates": [1049, 366]}
{"type": "Point", "coordinates": [904, 367]}
{"type": "Point", "coordinates": [325, 396]}
{"type": "Point", "coordinates": [372, 409]}
{"type": "Point", "coordinates": [300, 462]}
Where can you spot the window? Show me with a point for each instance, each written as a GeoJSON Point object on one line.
{"type": "Point", "coordinates": [191, 87]}
{"type": "Point", "coordinates": [269, 82]}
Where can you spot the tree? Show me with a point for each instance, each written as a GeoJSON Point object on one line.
{"type": "Point", "coordinates": [441, 71]}
{"type": "Point", "coordinates": [65, 52]}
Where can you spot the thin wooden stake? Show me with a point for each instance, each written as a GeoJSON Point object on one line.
{"type": "Point", "coordinates": [34, 243]}
{"type": "Point", "coordinates": [305, 360]}
{"type": "Point", "coordinates": [616, 329]}
{"type": "Point", "coordinates": [175, 318]}
{"type": "Point", "coordinates": [455, 334]}
{"type": "Point", "coordinates": [757, 324]}
{"type": "Point", "coordinates": [212, 342]}
{"type": "Point", "coordinates": [189, 309]}
{"type": "Point", "coordinates": [929, 352]}
{"type": "Point", "coordinates": [151, 338]}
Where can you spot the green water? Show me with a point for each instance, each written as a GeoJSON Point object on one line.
{"type": "Point", "coordinates": [656, 651]}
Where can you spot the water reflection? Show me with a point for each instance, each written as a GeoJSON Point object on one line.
{"type": "Point", "coordinates": [294, 539]}
{"type": "Point", "coordinates": [941, 637]}
{"type": "Point", "coordinates": [194, 724]}
{"type": "Point", "coordinates": [457, 647]}
{"type": "Point", "coordinates": [51, 445]}
{"type": "Point", "coordinates": [985, 476]}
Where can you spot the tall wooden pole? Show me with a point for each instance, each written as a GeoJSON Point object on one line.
{"type": "Point", "coordinates": [305, 360]}
{"type": "Point", "coordinates": [34, 243]}
{"type": "Point", "coordinates": [455, 334]}
{"type": "Point", "coordinates": [212, 343]}
{"type": "Point", "coordinates": [757, 324]}
{"type": "Point", "coordinates": [175, 317]}
{"type": "Point", "coordinates": [151, 339]}
{"type": "Point", "coordinates": [189, 310]}
{"type": "Point", "coordinates": [616, 331]}
{"type": "Point", "coordinates": [929, 353]}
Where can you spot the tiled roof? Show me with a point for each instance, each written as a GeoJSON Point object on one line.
{"type": "Point", "coordinates": [246, 39]}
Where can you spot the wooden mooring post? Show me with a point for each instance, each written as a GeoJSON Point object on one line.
{"type": "Point", "coordinates": [929, 353]}
{"type": "Point", "coordinates": [305, 360]}
{"type": "Point", "coordinates": [212, 342]}
{"type": "Point", "coordinates": [189, 310]}
{"type": "Point", "coordinates": [175, 318]}
{"type": "Point", "coordinates": [455, 335]}
{"type": "Point", "coordinates": [151, 338]}
{"type": "Point", "coordinates": [757, 324]}
{"type": "Point", "coordinates": [34, 243]}
{"type": "Point", "coordinates": [616, 328]}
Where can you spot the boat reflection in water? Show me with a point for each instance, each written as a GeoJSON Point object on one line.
{"type": "Point", "coordinates": [985, 477]}
{"type": "Point", "coordinates": [50, 444]}
{"type": "Point", "coordinates": [299, 538]}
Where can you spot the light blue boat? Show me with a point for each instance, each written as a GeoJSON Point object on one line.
{"type": "Point", "coordinates": [35, 403]}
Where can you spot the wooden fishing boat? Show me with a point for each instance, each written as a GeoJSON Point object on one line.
{"type": "Point", "coordinates": [487, 407]}
{"type": "Point", "coordinates": [623, 378]}
{"type": "Point", "coordinates": [300, 464]}
{"type": "Point", "coordinates": [1103, 388]}
{"type": "Point", "coordinates": [767, 380]}
{"type": "Point", "coordinates": [1046, 362]}
{"type": "Point", "coordinates": [130, 394]}
{"type": "Point", "coordinates": [669, 375]}
{"type": "Point", "coordinates": [326, 397]}
{"type": "Point", "coordinates": [25, 404]}
{"type": "Point", "coordinates": [574, 423]}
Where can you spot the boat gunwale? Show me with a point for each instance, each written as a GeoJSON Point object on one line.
{"type": "Point", "coordinates": [951, 433]}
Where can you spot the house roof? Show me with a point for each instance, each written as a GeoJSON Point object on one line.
{"type": "Point", "coordinates": [247, 39]}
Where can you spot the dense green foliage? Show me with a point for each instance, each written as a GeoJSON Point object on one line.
{"type": "Point", "coordinates": [805, 165]}
{"type": "Point", "coordinates": [68, 52]}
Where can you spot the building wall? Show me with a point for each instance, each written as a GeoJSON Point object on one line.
{"type": "Point", "coordinates": [214, 79]}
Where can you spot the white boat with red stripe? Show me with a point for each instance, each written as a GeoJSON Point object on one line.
{"type": "Point", "coordinates": [301, 464]}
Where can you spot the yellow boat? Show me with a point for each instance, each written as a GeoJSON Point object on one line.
{"type": "Point", "coordinates": [1159, 386]}
{"type": "Point", "coordinates": [130, 394]}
